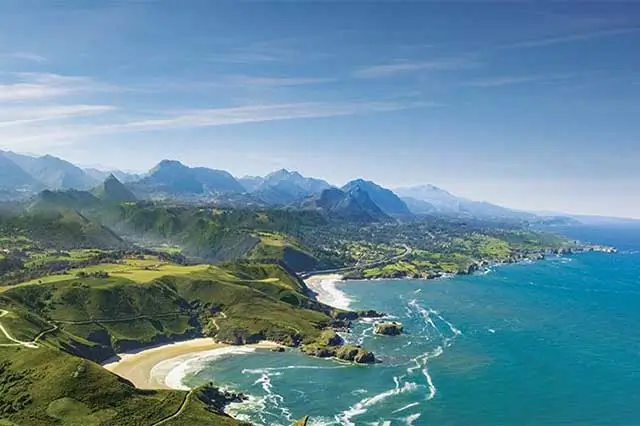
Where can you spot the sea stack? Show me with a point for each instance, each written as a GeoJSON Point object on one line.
{"type": "Point", "coordinates": [392, 328]}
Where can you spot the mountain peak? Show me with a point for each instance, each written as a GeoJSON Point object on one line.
{"type": "Point", "coordinates": [113, 190]}
{"type": "Point", "coordinates": [384, 198]}
{"type": "Point", "coordinates": [167, 164]}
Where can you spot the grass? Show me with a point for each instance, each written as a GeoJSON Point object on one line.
{"type": "Point", "coordinates": [139, 271]}
{"type": "Point", "coordinates": [47, 386]}
{"type": "Point", "coordinates": [100, 316]}
{"type": "Point", "coordinates": [276, 246]}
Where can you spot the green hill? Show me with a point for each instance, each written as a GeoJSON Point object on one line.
{"type": "Point", "coordinates": [74, 323]}
{"type": "Point", "coordinates": [46, 386]}
{"type": "Point", "coordinates": [100, 317]}
{"type": "Point", "coordinates": [65, 229]}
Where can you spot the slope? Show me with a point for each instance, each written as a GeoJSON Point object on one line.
{"type": "Point", "coordinates": [53, 172]}
{"type": "Point", "coordinates": [384, 198]}
{"type": "Point", "coordinates": [114, 191]}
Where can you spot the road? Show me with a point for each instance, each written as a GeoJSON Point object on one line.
{"type": "Point", "coordinates": [407, 252]}
{"type": "Point", "coordinates": [33, 344]}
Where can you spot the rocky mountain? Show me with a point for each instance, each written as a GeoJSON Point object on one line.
{"type": "Point", "coordinates": [114, 191]}
{"type": "Point", "coordinates": [443, 202]}
{"type": "Point", "coordinates": [13, 177]}
{"type": "Point", "coordinates": [384, 198]}
{"type": "Point", "coordinates": [52, 172]}
{"type": "Point", "coordinates": [309, 185]}
{"type": "Point", "coordinates": [284, 187]}
{"type": "Point", "coordinates": [174, 178]}
{"type": "Point", "coordinates": [124, 177]}
{"type": "Point", "coordinates": [354, 204]}
{"type": "Point", "coordinates": [250, 183]}
{"type": "Point", "coordinates": [419, 206]}
{"type": "Point", "coordinates": [217, 180]}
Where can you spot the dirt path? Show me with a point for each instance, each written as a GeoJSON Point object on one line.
{"type": "Point", "coordinates": [32, 344]}
{"type": "Point", "coordinates": [177, 413]}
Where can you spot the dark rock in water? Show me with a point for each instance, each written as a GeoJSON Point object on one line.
{"type": "Point", "coordinates": [347, 353]}
{"type": "Point", "coordinates": [217, 399]}
{"type": "Point", "coordinates": [365, 357]}
{"type": "Point", "coordinates": [354, 315]}
{"type": "Point", "coordinates": [389, 328]}
{"type": "Point", "coordinates": [355, 354]}
{"type": "Point", "coordinates": [278, 349]}
{"type": "Point", "coordinates": [469, 270]}
{"type": "Point", "coordinates": [370, 314]}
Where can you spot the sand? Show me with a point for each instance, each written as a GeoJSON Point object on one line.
{"type": "Point", "coordinates": [137, 366]}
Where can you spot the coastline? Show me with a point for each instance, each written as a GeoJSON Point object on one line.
{"type": "Point", "coordinates": [325, 290]}
{"type": "Point", "coordinates": [164, 366]}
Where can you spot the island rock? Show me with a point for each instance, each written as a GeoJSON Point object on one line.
{"type": "Point", "coordinates": [392, 328]}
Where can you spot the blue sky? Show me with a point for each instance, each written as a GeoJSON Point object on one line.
{"type": "Point", "coordinates": [531, 105]}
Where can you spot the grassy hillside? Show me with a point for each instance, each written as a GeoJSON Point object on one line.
{"type": "Point", "coordinates": [67, 325]}
{"type": "Point", "coordinates": [280, 247]}
{"type": "Point", "coordinates": [98, 317]}
{"type": "Point", "coordinates": [65, 229]}
{"type": "Point", "coordinates": [46, 386]}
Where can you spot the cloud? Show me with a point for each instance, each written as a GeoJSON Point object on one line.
{"type": "Point", "coordinates": [511, 80]}
{"type": "Point", "coordinates": [32, 86]}
{"type": "Point", "coordinates": [277, 81]}
{"type": "Point", "coordinates": [28, 57]}
{"type": "Point", "coordinates": [45, 133]}
{"type": "Point", "coordinates": [388, 70]}
{"type": "Point", "coordinates": [549, 41]}
{"type": "Point", "coordinates": [29, 115]}
{"type": "Point", "coordinates": [262, 113]}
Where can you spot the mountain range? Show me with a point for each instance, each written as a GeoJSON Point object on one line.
{"type": "Point", "coordinates": [22, 176]}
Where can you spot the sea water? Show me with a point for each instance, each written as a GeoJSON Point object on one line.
{"type": "Point", "coordinates": [555, 342]}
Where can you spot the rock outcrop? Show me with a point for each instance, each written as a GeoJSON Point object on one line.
{"type": "Point", "coordinates": [392, 328]}
{"type": "Point", "coordinates": [330, 345]}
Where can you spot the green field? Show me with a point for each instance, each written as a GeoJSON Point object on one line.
{"type": "Point", "coordinates": [139, 271]}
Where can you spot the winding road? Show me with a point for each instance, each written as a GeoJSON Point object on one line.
{"type": "Point", "coordinates": [32, 344]}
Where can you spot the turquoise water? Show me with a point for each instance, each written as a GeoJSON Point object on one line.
{"type": "Point", "coordinates": [550, 343]}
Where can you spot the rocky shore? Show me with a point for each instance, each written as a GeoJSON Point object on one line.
{"type": "Point", "coordinates": [477, 266]}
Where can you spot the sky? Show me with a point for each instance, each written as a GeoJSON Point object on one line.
{"type": "Point", "coordinates": [532, 105]}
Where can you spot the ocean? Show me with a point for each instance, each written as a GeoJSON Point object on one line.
{"type": "Point", "coordinates": [555, 342]}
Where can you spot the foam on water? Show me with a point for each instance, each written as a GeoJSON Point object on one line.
{"type": "Point", "coordinates": [409, 420]}
{"type": "Point", "coordinates": [361, 407]}
{"type": "Point", "coordinates": [406, 407]}
{"type": "Point", "coordinates": [173, 371]}
{"type": "Point", "coordinates": [332, 295]}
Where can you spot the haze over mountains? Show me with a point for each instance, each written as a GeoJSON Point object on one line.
{"type": "Point", "coordinates": [22, 176]}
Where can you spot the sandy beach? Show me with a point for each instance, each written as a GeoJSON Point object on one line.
{"type": "Point", "coordinates": [163, 367]}
{"type": "Point", "coordinates": [327, 291]}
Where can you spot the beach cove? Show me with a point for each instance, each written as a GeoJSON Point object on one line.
{"type": "Point", "coordinates": [164, 366]}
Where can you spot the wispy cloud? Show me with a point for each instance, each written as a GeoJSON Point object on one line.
{"type": "Point", "coordinates": [27, 57]}
{"type": "Point", "coordinates": [512, 80]}
{"type": "Point", "coordinates": [262, 113]}
{"type": "Point", "coordinates": [28, 115]}
{"type": "Point", "coordinates": [388, 70]}
{"type": "Point", "coordinates": [277, 81]}
{"type": "Point", "coordinates": [48, 133]}
{"type": "Point", "coordinates": [571, 38]}
{"type": "Point", "coordinates": [33, 86]}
